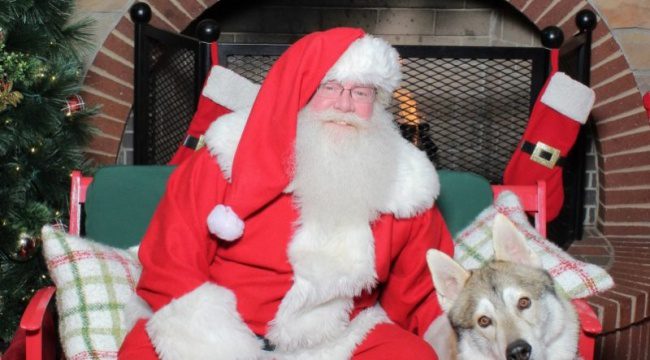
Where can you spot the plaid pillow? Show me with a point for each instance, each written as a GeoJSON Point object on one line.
{"type": "Point", "coordinates": [93, 283]}
{"type": "Point", "coordinates": [473, 248]}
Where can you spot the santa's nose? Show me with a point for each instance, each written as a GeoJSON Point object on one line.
{"type": "Point", "coordinates": [344, 102]}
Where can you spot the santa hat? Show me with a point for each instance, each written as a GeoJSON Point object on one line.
{"type": "Point", "coordinates": [370, 61]}
{"type": "Point", "coordinates": [262, 166]}
{"type": "Point", "coordinates": [563, 106]}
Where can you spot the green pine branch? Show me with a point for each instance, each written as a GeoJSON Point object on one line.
{"type": "Point", "coordinates": [41, 54]}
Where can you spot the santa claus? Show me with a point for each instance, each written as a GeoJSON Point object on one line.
{"type": "Point", "coordinates": [300, 230]}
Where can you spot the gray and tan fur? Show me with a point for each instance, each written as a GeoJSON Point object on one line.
{"type": "Point", "coordinates": [508, 309]}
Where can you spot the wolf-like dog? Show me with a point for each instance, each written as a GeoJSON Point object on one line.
{"type": "Point", "coordinates": [508, 309]}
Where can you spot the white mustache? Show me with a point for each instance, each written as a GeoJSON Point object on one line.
{"type": "Point", "coordinates": [341, 118]}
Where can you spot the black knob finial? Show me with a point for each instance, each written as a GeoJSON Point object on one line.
{"type": "Point", "coordinates": [140, 13]}
{"type": "Point", "coordinates": [586, 20]}
{"type": "Point", "coordinates": [552, 37]}
{"type": "Point", "coordinates": [208, 30]}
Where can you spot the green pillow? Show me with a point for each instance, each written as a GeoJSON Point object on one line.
{"type": "Point", "coordinates": [463, 195]}
{"type": "Point", "coordinates": [121, 201]}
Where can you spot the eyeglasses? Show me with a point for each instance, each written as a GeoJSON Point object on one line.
{"type": "Point", "coordinates": [360, 94]}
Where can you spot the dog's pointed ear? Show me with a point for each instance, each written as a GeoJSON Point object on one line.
{"type": "Point", "coordinates": [511, 245]}
{"type": "Point", "coordinates": [448, 277]}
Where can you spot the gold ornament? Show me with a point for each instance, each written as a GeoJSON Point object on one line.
{"type": "Point", "coordinates": [25, 247]}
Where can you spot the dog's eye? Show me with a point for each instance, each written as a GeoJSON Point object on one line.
{"type": "Point", "coordinates": [523, 303]}
{"type": "Point", "coordinates": [484, 321]}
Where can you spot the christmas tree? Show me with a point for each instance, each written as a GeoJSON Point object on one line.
{"type": "Point", "coordinates": [43, 129]}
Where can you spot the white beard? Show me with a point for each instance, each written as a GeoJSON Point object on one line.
{"type": "Point", "coordinates": [344, 173]}
{"type": "Point", "coordinates": [342, 178]}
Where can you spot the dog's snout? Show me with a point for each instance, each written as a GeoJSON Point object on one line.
{"type": "Point", "coordinates": [518, 350]}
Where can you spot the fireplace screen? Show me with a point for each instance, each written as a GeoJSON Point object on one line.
{"type": "Point", "coordinates": [172, 98]}
{"type": "Point", "coordinates": [466, 107]}
{"type": "Point", "coordinates": [467, 114]}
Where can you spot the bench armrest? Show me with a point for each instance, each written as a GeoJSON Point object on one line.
{"type": "Point", "coordinates": [32, 322]}
{"type": "Point", "coordinates": [588, 319]}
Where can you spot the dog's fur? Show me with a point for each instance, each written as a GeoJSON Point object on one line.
{"type": "Point", "coordinates": [545, 326]}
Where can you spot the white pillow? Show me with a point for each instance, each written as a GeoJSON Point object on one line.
{"type": "Point", "coordinates": [473, 248]}
{"type": "Point", "coordinates": [93, 284]}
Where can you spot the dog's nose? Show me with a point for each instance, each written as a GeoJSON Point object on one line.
{"type": "Point", "coordinates": [518, 350]}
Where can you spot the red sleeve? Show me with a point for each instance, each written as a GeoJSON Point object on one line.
{"type": "Point", "coordinates": [408, 295]}
{"type": "Point", "coordinates": [177, 248]}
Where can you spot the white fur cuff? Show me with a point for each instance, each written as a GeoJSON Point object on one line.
{"type": "Point", "coordinates": [569, 97]}
{"type": "Point", "coordinates": [135, 309]}
{"type": "Point", "coordinates": [203, 324]}
{"type": "Point", "coordinates": [230, 89]}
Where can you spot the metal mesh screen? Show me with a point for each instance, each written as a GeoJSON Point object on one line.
{"type": "Point", "coordinates": [171, 100]}
{"type": "Point", "coordinates": [253, 67]}
{"type": "Point", "coordinates": [466, 114]}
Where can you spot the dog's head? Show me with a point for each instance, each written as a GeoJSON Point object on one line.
{"type": "Point", "coordinates": [508, 309]}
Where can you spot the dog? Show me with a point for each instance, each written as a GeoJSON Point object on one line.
{"type": "Point", "coordinates": [507, 309]}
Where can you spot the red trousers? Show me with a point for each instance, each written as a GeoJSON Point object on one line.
{"type": "Point", "coordinates": [385, 341]}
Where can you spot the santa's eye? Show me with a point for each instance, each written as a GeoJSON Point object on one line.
{"type": "Point", "coordinates": [363, 92]}
{"type": "Point", "coordinates": [523, 303]}
{"type": "Point", "coordinates": [484, 321]}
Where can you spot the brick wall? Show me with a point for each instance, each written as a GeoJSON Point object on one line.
{"type": "Point", "coordinates": [591, 184]}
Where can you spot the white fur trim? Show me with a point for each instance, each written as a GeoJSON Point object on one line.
{"type": "Point", "coordinates": [222, 138]}
{"type": "Point", "coordinates": [316, 309]}
{"type": "Point", "coordinates": [369, 60]}
{"type": "Point", "coordinates": [569, 97]}
{"type": "Point", "coordinates": [135, 309]}
{"type": "Point", "coordinates": [416, 186]}
{"type": "Point", "coordinates": [229, 89]}
{"type": "Point", "coordinates": [224, 223]}
{"type": "Point", "coordinates": [342, 347]}
{"type": "Point", "coordinates": [203, 324]}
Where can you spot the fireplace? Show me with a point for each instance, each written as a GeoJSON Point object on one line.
{"type": "Point", "coordinates": [617, 181]}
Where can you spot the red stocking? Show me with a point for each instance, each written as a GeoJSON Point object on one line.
{"type": "Point", "coordinates": [563, 105]}
{"type": "Point", "coordinates": [224, 91]}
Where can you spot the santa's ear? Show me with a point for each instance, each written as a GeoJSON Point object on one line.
{"type": "Point", "coordinates": [510, 244]}
{"type": "Point", "coordinates": [448, 277]}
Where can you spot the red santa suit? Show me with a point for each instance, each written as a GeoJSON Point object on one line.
{"type": "Point", "coordinates": [284, 278]}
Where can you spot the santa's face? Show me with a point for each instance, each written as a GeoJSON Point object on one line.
{"type": "Point", "coordinates": [346, 97]}
{"type": "Point", "coordinates": [343, 172]}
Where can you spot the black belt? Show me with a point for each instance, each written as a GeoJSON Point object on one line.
{"type": "Point", "coordinates": [194, 143]}
{"type": "Point", "coordinates": [543, 154]}
{"type": "Point", "coordinates": [267, 344]}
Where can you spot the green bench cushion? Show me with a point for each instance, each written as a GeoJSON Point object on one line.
{"type": "Point", "coordinates": [121, 201]}
{"type": "Point", "coordinates": [463, 195]}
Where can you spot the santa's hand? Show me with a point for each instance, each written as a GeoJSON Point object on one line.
{"type": "Point", "coordinates": [224, 223]}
